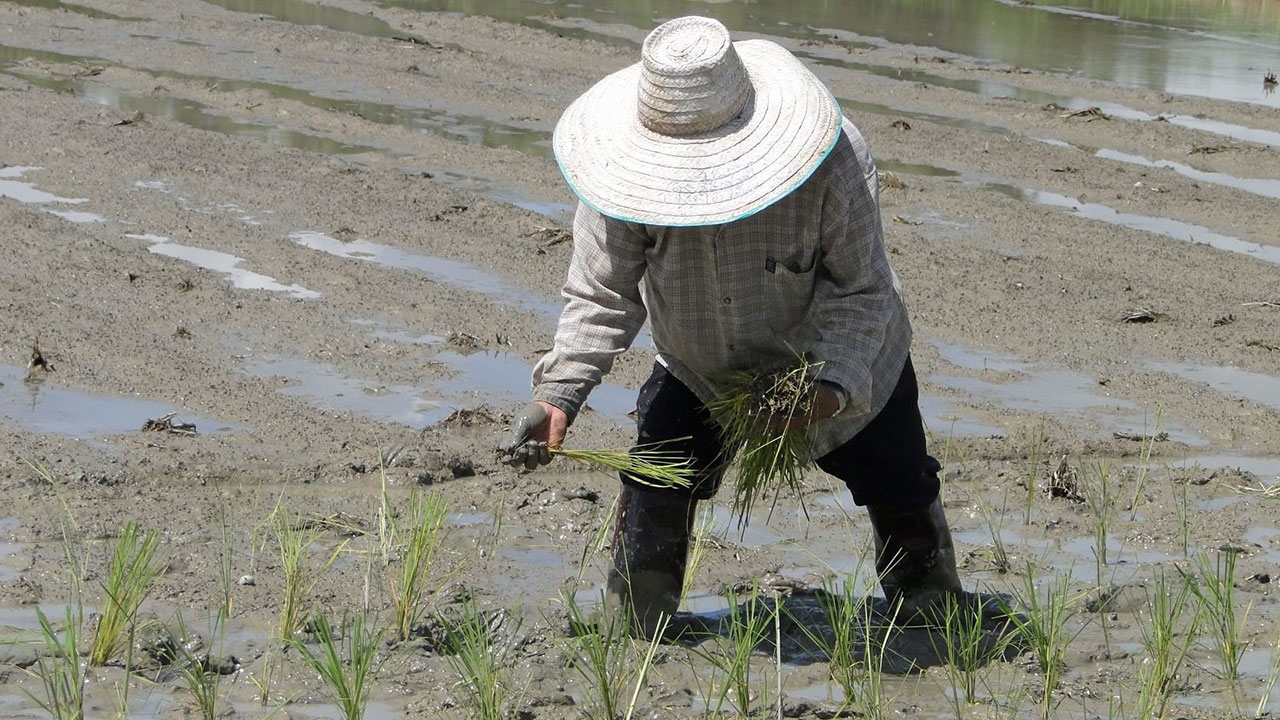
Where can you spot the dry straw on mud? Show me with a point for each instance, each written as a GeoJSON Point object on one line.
{"type": "Point", "coordinates": [752, 411]}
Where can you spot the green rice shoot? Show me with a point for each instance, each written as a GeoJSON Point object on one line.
{"type": "Point", "coordinates": [655, 468]}
{"type": "Point", "coordinates": [748, 411]}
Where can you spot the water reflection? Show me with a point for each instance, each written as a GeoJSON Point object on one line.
{"type": "Point", "coordinates": [39, 407]}
{"type": "Point", "coordinates": [1230, 381]}
{"type": "Point", "coordinates": [1167, 227]}
{"type": "Point", "coordinates": [1266, 187]}
{"type": "Point", "coordinates": [1045, 389]}
{"type": "Point", "coordinates": [300, 12]}
{"type": "Point", "coordinates": [1150, 48]}
{"type": "Point", "coordinates": [223, 264]}
{"type": "Point", "coordinates": [458, 274]}
{"type": "Point", "coordinates": [71, 7]}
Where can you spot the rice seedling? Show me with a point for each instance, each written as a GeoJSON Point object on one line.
{"type": "Point", "coordinates": [62, 674]}
{"type": "Point", "coordinates": [1144, 463]}
{"type": "Point", "coordinates": [652, 467]}
{"type": "Point", "coordinates": [225, 560]}
{"type": "Point", "coordinates": [346, 662]}
{"type": "Point", "coordinates": [134, 567]}
{"type": "Point", "coordinates": [294, 539]}
{"type": "Point", "coordinates": [646, 663]}
{"type": "Point", "coordinates": [202, 679]}
{"type": "Point", "coordinates": [1214, 587]}
{"type": "Point", "coordinates": [745, 627]}
{"type": "Point", "coordinates": [481, 661]}
{"type": "Point", "coordinates": [999, 555]}
{"type": "Point", "coordinates": [600, 651]}
{"type": "Point", "coordinates": [697, 550]}
{"type": "Point", "coordinates": [1034, 456]}
{"type": "Point", "coordinates": [1101, 500]}
{"type": "Point", "coordinates": [1184, 517]}
{"type": "Point", "coordinates": [964, 648]}
{"type": "Point", "coordinates": [426, 514]}
{"type": "Point", "coordinates": [1269, 684]}
{"type": "Point", "coordinates": [751, 411]}
{"type": "Point", "coordinates": [856, 648]}
{"type": "Point", "coordinates": [1167, 644]}
{"type": "Point", "coordinates": [262, 681]}
{"type": "Point", "coordinates": [386, 518]}
{"type": "Point", "coordinates": [1042, 625]}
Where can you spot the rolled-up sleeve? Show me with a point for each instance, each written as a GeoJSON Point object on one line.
{"type": "Point", "coordinates": [603, 310]}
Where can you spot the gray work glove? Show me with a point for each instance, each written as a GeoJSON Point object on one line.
{"type": "Point", "coordinates": [520, 449]}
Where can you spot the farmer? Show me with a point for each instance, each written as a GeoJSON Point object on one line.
{"type": "Point", "coordinates": [724, 197]}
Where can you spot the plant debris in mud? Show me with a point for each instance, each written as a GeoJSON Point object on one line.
{"type": "Point", "coordinates": [463, 340]}
{"type": "Point", "coordinates": [891, 181]}
{"type": "Point", "coordinates": [137, 118]}
{"type": "Point", "coordinates": [1090, 114]}
{"type": "Point", "coordinates": [451, 210]}
{"type": "Point", "coordinates": [167, 424]}
{"type": "Point", "coordinates": [466, 417]}
{"type": "Point", "coordinates": [38, 360]}
{"type": "Point", "coordinates": [549, 236]}
{"type": "Point", "coordinates": [1141, 437]}
{"type": "Point", "coordinates": [1064, 482]}
{"type": "Point", "coordinates": [1211, 149]}
{"type": "Point", "coordinates": [1143, 315]}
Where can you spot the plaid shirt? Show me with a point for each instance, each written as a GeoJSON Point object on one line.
{"type": "Point", "coordinates": [806, 274]}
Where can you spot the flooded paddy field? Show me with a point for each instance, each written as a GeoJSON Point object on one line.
{"type": "Point", "coordinates": [315, 248]}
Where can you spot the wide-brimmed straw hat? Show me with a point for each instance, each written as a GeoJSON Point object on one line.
{"type": "Point", "coordinates": [702, 131]}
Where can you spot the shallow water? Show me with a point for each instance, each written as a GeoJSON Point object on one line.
{"type": "Point", "coordinates": [39, 406]}
{"type": "Point", "coordinates": [1205, 50]}
{"type": "Point", "coordinates": [224, 264]}
{"type": "Point", "coordinates": [1168, 227]}
{"type": "Point", "coordinates": [482, 377]}
{"type": "Point", "coordinates": [1045, 389]}
{"type": "Point", "coordinates": [459, 274]}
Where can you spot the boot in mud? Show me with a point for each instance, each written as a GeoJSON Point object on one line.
{"type": "Point", "coordinates": [916, 560]}
{"type": "Point", "coordinates": [651, 546]}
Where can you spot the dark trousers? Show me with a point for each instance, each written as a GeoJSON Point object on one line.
{"type": "Point", "coordinates": [885, 464]}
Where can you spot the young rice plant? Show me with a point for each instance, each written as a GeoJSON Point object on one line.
{"type": "Point", "coordinates": [134, 567]}
{"type": "Point", "coordinates": [426, 514]}
{"type": "Point", "coordinates": [345, 662]}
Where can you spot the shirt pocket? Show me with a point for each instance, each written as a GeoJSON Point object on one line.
{"type": "Point", "coordinates": [790, 291]}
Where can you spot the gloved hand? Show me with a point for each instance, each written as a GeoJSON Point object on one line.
{"type": "Point", "coordinates": [522, 449]}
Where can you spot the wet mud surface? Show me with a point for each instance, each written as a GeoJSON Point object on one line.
{"type": "Point", "coordinates": [332, 236]}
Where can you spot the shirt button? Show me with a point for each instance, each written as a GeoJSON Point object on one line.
{"type": "Point", "coordinates": [728, 301]}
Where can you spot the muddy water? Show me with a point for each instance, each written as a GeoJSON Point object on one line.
{"type": "Point", "coordinates": [1205, 50]}
{"type": "Point", "coordinates": [40, 405]}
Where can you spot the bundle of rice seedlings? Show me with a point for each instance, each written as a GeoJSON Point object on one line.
{"type": "Point", "coordinates": [652, 467]}
{"type": "Point", "coordinates": [751, 412]}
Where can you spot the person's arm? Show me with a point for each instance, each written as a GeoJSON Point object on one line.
{"type": "Point", "coordinates": [603, 310]}
{"type": "Point", "coordinates": [854, 294]}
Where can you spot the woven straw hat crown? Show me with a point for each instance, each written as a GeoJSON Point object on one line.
{"type": "Point", "coordinates": [691, 78]}
{"type": "Point", "coordinates": [701, 131]}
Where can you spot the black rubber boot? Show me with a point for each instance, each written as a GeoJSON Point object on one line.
{"type": "Point", "coordinates": [915, 558]}
{"type": "Point", "coordinates": [651, 546]}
